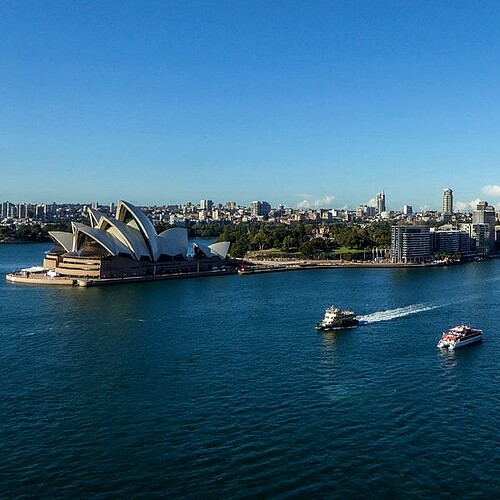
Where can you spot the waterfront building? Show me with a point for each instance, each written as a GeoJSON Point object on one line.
{"type": "Point", "coordinates": [125, 246]}
{"type": "Point", "coordinates": [380, 198]}
{"type": "Point", "coordinates": [445, 241]}
{"type": "Point", "coordinates": [448, 241]}
{"type": "Point", "coordinates": [479, 236]}
{"type": "Point", "coordinates": [410, 244]}
{"type": "Point", "coordinates": [485, 214]}
{"type": "Point", "coordinates": [466, 244]}
{"type": "Point", "coordinates": [480, 233]}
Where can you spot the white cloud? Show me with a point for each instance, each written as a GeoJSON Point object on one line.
{"type": "Point", "coordinates": [491, 190]}
{"type": "Point", "coordinates": [463, 206]}
{"type": "Point", "coordinates": [371, 203]}
{"type": "Point", "coordinates": [325, 202]}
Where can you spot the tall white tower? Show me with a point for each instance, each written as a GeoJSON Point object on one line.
{"type": "Point", "coordinates": [447, 201]}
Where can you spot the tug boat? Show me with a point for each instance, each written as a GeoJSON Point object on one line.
{"type": "Point", "coordinates": [460, 336]}
{"type": "Point", "coordinates": [336, 319]}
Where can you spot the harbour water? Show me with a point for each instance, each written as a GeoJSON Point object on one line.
{"type": "Point", "coordinates": [222, 388]}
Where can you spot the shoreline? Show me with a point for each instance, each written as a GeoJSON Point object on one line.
{"type": "Point", "coordinates": [263, 265]}
{"type": "Point", "coordinates": [237, 266]}
{"type": "Point", "coordinates": [255, 266]}
{"type": "Point", "coordinates": [44, 280]}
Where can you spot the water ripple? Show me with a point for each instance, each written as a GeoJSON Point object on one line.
{"type": "Point", "coordinates": [223, 388]}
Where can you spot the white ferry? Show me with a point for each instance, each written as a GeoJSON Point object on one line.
{"type": "Point", "coordinates": [336, 319]}
{"type": "Point", "coordinates": [460, 336]}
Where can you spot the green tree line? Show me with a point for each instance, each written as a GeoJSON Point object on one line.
{"type": "Point", "coordinates": [30, 232]}
{"type": "Point", "coordinates": [312, 241]}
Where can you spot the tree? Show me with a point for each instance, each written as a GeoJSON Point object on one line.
{"type": "Point", "coordinates": [261, 240]}
{"type": "Point", "coordinates": [240, 247]}
{"type": "Point", "coordinates": [288, 243]}
{"type": "Point", "coordinates": [312, 248]}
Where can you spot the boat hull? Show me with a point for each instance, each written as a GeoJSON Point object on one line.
{"type": "Point", "coordinates": [443, 344]}
{"type": "Point", "coordinates": [460, 336]}
{"type": "Point", "coordinates": [342, 325]}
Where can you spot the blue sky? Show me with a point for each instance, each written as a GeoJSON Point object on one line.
{"type": "Point", "coordinates": [286, 101]}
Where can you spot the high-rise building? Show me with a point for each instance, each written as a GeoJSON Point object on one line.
{"type": "Point", "coordinates": [451, 241]}
{"type": "Point", "coordinates": [6, 209]}
{"type": "Point", "coordinates": [360, 212]}
{"type": "Point", "coordinates": [206, 205]}
{"type": "Point", "coordinates": [366, 211]}
{"type": "Point", "coordinates": [410, 244]}
{"type": "Point", "coordinates": [40, 211]}
{"type": "Point", "coordinates": [480, 235]}
{"type": "Point", "coordinates": [485, 214]}
{"type": "Point", "coordinates": [260, 208]}
{"type": "Point", "coordinates": [380, 202]}
{"type": "Point", "coordinates": [447, 201]}
{"type": "Point", "coordinates": [407, 210]}
{"type": "Point", "coordinates": [22, 211]}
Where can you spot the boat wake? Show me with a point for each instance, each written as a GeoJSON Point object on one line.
{"type": "Point", "coordinates": [395, 313]}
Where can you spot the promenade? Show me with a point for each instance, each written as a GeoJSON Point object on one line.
{"type": "Point", "coordinates": [254, 265]}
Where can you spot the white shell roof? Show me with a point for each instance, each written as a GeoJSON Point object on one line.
{"type": "Point", "coordinates": [143, 224]}
{"type": "Point", "coordinates": [202, 248]}
{"type": "Point", "coordinates": [220, 248]}
{"type": "Point", "coordinates": [113, 245]}
{"type": "Point", "coordinates": [128, 235]}
{"type": "Point", "coordinates": [173, 241]}
{"type": "Point", "coordinates": [63, 238]}
{"type": "Point", "coordinates": [215, 249]}
{"type": "Point", "coordinates": [94, 216]}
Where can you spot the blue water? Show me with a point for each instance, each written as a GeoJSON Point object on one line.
{"type": "Point", "coordinates": [222, 388]}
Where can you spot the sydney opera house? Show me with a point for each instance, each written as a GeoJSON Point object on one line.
{"type": "Point", "coordinates": [127, 245]}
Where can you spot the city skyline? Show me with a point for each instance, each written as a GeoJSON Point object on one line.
{"type": "Point", "coordinates": [376, 207]}
{"type": "Point", "coordinates": [289, 103]}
